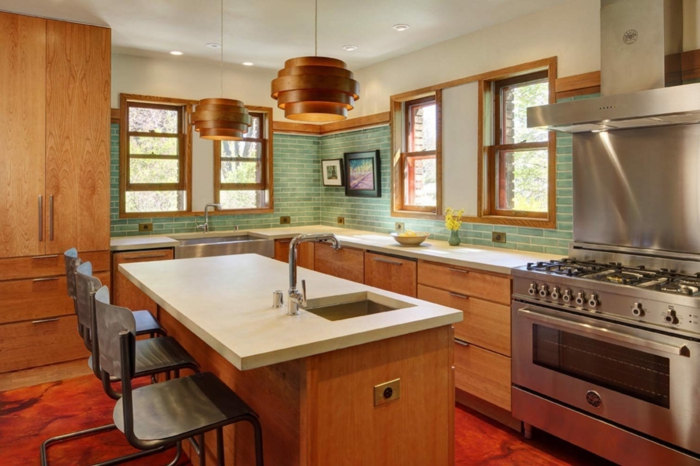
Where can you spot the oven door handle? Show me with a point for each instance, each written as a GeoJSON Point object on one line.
{"type": "Point", "coordinates": [604, 333]}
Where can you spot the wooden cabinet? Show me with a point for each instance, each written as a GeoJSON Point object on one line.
{"type": "Point", "coordinates": [305, 253]}
{"type": "Point", "coordinates": [483, 338]}
{"type": "Point", "coordinates": [54, 136]}
{"type": "Point", "coordinates": [124, 292]}
{"type": "Point", "coordinates": [390, 273]}
{"type": "Point", "coordinates": [347, 263]}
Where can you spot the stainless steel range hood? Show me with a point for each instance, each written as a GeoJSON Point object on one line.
{"type": "Point", "coordinates": [641, 43]}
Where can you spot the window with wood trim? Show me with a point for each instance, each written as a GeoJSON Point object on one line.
{"type": "Point", "coordinates": [243, 169]}
{"type": "Point", "coordinates": [419, 158]}
{"type": "Point", "coordinates": [520, 160]}
{"type": "Point", "coordinates": [155, 156]}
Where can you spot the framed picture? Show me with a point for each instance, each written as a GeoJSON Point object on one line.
{"type": "Point", "coordinates": [362, 178]}
{"type": "Point", "coordinates": [332, 170]}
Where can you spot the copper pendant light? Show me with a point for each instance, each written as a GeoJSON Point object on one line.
{"type": "Point", "coordinates": [221, 119]}
{"type": "Point", "coordinates": [317, 89]}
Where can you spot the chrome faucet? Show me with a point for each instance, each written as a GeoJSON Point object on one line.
{"type": "Point", "coordinates": [297, 298]}
{"type": "Point", "coordinates": [205, 225]}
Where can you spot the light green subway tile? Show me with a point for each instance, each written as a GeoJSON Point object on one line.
{"type": "Point", "coordinates": [558, 234]}
{"type": "Point", "coordinates": [530, 231]}
{"type": "Point", "coordinates": [530, 248]}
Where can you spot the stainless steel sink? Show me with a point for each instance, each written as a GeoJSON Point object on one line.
{"type": "Point", "coordinates": [208, 246]}
{"type": "Point", "coordinates": [353, 305]}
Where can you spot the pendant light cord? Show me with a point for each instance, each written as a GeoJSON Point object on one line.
{"type": "Point", "coordinates": [316, 29]}
{"type": "Point", "coordinates": [222, 49]}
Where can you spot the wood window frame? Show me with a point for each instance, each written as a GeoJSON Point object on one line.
{"type": "Point", "coordinates": [184, 156]}
{"type": "Point", "coordinates": [401, 159]}
{"type": "Point", "coordinates": [492, 143]}
{"type": "Point", "coordinates": [266, 182]}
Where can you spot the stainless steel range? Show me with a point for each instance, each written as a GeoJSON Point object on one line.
{"type": "Point", "coordinates": [606, 343]}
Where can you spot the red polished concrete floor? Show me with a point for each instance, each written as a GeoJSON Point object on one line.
{"type": "Point", "coordinates": [30, 415]}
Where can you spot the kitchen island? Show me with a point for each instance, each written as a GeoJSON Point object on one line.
{"type": "Point", "coordinates": [312, 380]}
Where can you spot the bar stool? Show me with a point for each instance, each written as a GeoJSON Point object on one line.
{"type": "Point", "coordinates": [146, 324]}
{"type": "Point", "coordinates": [163, 414]}
{"type": "Point", "coordinates": [154, 356]}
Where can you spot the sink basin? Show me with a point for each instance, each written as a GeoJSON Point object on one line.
{"type": "Point", "coordinates": [353, 305]}
{"type": "Point", "coordinates": [207, 246]}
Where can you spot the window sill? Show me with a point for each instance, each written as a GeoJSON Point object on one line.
{"type": "Point", "coordinates": [517, 221]}
{"type": "Point", "coordinates": [416, 214]}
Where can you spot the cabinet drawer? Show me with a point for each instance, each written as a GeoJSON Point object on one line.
{"type": "Point", "coordinates": [485, 324]}
{"type": "Point", "coordinates": [26, 344]}
{"type": "Point", "coordinates": [390, 273]}
{"type": "Point", "coordinates": [347, 263]}
{"type": "Point", "coordinates": [305, 253]}
{"type": "Point", "coordinates": [483, 374]}
{"type": "Point", "coordinates": [37, 298]}
{"type": "Point", "coordinates": [124, 292]}
{"type": "Point", "coordinates": [465, 281]}
{"type": "Point", "coordinates": [52, 265]}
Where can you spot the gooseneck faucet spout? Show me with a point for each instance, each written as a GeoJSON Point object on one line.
{"type": "Point", "coordinates": [297, 298]}
{"type": "Point", "coordinates": [205, 226]}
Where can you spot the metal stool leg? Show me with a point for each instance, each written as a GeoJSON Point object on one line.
{"type": "Point", "coordinates": [202, 451]}
{"type": "Point", "coordinates": [220, 446]}
{"type": "Point", "coordinates": [258, 440]}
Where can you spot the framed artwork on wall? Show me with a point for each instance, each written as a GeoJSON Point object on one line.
{"type": "Point", "coordinates": [362, 174]}
{"type": "Point", "coordinates": [332, 172]}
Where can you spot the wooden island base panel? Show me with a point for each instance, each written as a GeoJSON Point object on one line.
{"type": "Point", "coordinates": [320, 410]}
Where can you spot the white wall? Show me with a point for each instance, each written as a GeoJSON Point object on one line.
{"type": "Point", "coordinates": [183, 79]}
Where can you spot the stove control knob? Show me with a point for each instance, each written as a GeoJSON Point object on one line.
{"type": "Point", "coordinates": [580, 298]}
{"type": "Point", "coordinates": [532, 291]}
{"type": "Point", "coordinates": [556, 294]}
{"type": "Point", "coordinates": [671, 317]}
{"type": "Point", "coordinates": [544, 291]}
{"type": "Point", "coordinates": [566, 296]}
{"type": "Point", "coordinates": [637, 310]}
{"type": "Point", "coordinates": [593, 300]}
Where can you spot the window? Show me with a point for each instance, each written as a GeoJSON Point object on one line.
{"type": "Point", "coordinates": [154, 156]}
{"type": "Point", "coordinates": [243, 169]}
{"type": "Point", "coordinates": [520, 159]}
{"type": "Point", "coordinates": [419, 159]}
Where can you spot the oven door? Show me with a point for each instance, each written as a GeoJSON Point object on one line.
{"type": "Point", "coordinates": [643, 380]}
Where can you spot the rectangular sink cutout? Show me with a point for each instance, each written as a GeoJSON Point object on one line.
{"type": "Point", "coordinates": [217, 239]}
{"type": "Point", "coordinates": [353, 305]}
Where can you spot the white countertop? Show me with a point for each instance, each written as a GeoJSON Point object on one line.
{"type": "Point", "coordinates": [227, 302]}
{"type": "Point", "coordinates": [476, 257]}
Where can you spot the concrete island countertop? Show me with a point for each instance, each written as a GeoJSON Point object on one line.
{"type": "Point", "coordinates": [476, 257]}
{"type": "Point", "coordinates": [227, 302]}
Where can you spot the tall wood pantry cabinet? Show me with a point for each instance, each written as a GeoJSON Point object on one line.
{"type": "Point", "coordinates": [54, 180]}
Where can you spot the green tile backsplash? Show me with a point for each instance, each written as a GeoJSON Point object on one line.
{"type": "Point", "coordinates": [299, 194]}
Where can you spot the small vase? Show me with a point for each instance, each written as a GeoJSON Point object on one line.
{"type": "Point", "coordinates": [454, 238]}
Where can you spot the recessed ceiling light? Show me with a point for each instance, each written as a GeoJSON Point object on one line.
{"type": "Point", "coordinates": [349, 48]}
{"type": "Point", "coordinates": [248, 63]}
{"type": "Point", "coordinates": [401, 27]}
{"type": "Point", "coordinates": [175, 52]}
{"type": "Point", "coordinates": [213, 45]}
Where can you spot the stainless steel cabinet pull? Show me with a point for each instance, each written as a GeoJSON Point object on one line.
{"type": "Point", "coordinates": [457, 295]}
{"type": "Point", "coordinates": [51, 217]}
{"type": "Point", "coordinates": [41, 218]}
{"type": "Point", "coordinates": [387, 261]}
{"type": "Point", "coordinates": [50, 256]}
{"type": "Point", "coordinates": [457, 270]}
{"type": "Point", "coordinates": [602, 333]}
{"type": "Point", "coordinates": [47, 279]}
{"type": "Point", "coordinates": [461, 342]}
{"type": "Point", "coordinates": [44, 321]}
{"type": "Point", "coordinates": [151, 256]}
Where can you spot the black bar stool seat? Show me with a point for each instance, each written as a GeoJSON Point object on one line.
{"type": "Point", "coordinates": [181, 408]}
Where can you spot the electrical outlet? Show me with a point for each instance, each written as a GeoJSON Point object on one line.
{"type": "Point", "coordinates": [145, 227]}
{"type": "Point", "coordinates": [498, 237]}
{"type": "Point", "coordinates": [399, 227]}
{"type": "Point", "coordinates": [387, 391]}
{"type": "Point", "coordinates": [341, 220]}
{"type": "Point", "coordinates": [285, 220]}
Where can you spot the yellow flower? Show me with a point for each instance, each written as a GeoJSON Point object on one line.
{"type": "Point", "coordinates": [453, 218]}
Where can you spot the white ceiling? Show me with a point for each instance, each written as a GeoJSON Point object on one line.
{"type": "Point", "coordinates": [267, 32]}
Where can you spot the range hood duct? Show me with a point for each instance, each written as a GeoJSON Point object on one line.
{"type": "Point", "coordinates": [641, 46]}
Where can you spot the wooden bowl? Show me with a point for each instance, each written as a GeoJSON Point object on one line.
{"type": "Point", "coordinates": [410, 240]}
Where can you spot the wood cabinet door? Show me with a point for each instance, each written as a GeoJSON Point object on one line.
{"type": "Point", "coordinates": [483, 374]}
{"type": "Point", "coordinates": [78, 61]}
{"type": "Point", "coordinates": [124, 292]}
{"type": "Point", "coordinates": [22, 134]}
{"type": "Point", "coordinates": [305, 253]}
{"type": "Point", "coordinates": [390, 273]}
{"type": "Point", "coordinates": [347, 263]}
